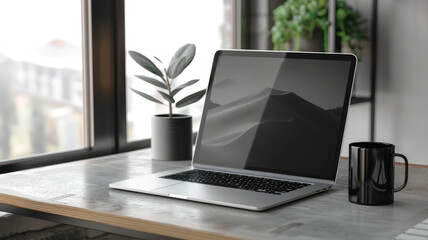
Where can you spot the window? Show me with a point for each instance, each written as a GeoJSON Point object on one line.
{"type": "Point", "coordinates": [159, 28]}
{"type": "Point", "coordinates": [57, 75]}
{"type": "Point", "coordinates": [41, 77]}
{"type": "Point", "coordinates": [65, 78]}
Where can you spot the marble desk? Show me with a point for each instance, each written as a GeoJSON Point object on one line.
{"type": "Point", "coordinates": [77, 193]}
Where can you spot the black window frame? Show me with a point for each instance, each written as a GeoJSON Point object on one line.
{"type": "Point", "coordinates": [123, 145]}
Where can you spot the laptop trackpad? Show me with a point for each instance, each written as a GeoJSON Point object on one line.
{"type": "Point", "coordinates": [143, 183]}
{"type": "Point", "coordinates": [213, 194]}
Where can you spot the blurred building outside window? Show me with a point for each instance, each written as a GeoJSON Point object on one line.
{"type": "Point", "coordinates": [41, 80]}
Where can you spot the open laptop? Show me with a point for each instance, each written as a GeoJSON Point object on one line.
{"type": "Point", "coordinates": [271, 131]}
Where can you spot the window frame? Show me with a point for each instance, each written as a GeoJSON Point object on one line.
{"type": "Point", "coordinates": [122, 141]}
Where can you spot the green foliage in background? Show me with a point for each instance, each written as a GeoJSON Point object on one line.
{"type": "Point", "coordinates": [165, 79]}
{"type": "Point", "coordinates": [349, 27]}
{"type": "Point", "coordinates": [297, 19]}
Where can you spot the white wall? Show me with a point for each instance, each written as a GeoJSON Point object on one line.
{"type": "Point", "coordinates": [402, 81]}
{"type": "Point", "coordinates": [402, 115]}
{"type": "Point", "coordinates": [357, 127]}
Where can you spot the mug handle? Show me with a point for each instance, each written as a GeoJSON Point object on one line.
{"type": "Point", "coordinates": [406, 173]}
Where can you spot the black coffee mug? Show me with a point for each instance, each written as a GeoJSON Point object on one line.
{"type": "Point", "coordinates": [371, 173]}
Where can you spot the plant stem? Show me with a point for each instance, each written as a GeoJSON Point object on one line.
{"type": "Point", "coordinates": [168, 84]}
{"type": "Point", "coordinates": [325, 32]}
{"type": "Point", "coordinates": [297, 46]}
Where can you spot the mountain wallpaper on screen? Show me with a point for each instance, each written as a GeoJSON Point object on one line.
{"type": "Point", "coordinates": [270, 128]}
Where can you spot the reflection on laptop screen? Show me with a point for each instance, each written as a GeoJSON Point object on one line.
{"type": "Point", "coordinates": [275, 113]}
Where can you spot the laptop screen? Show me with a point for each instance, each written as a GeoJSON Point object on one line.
{"type": "Point", "coordinates": [276, 112]}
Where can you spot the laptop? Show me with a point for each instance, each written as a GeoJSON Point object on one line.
{"type": "Point", "coordinates": [271, 131]}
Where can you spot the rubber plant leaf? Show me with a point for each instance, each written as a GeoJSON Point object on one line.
{"type": "Point", "coordinates": [167, 97]}
{"type": "Point", "coordinates": [177, 68]}
{"type": "Point", "coordinates": [158, 59]}
{"type": "Point", "coordinates": [190, 99]}
{"type": "Point", "coordinates": [146, 96]}
{"type": "Point", "coordinates": [153, 81]}
{"type": "Point", "coordinates": [186, 52]}
{"type": "Point", "coordinates": [146, 63]}
{"type": "Point", "coordinates": [179, 88]}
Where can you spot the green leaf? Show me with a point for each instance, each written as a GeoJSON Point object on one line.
{"type": "Point", "coordinates": [153, 81]}
{"type": "Point", "coordinates": [158, 59]}
{"type": "Point", "coordinates": [340, 14]}
{"type": "Point", "coordinates": [190, 99]}
{"type": "Point", "coordinates": [145, 63]}
{"type": "Point", "coordinates": [167, 97]}
{"type": "Point", "coordinates": [146, 96]}
{"type": "Point", "coordinates": [178, 88]}
{"type": "Point", "coordinates": [177, 68]}
{"type": "Point", "coordinates": [186, 52]}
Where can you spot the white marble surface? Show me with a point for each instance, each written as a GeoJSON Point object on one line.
{"type": "Point", "coordinates": [329, 215]}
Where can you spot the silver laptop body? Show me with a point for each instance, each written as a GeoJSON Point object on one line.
{"type": "Point", "coordinates": [267, 114]}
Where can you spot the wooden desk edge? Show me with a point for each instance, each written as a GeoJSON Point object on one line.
{"type": "Point", "coordinates": [111, 219]}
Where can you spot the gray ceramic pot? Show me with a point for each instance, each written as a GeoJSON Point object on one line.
{"type": "Point", "coordinates": [171, 137]}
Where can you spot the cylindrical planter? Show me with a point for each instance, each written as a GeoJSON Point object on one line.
{"type": "Point", "coordinates": [171, 137]}
{"type": "Point", "coordinates": [315, 44]}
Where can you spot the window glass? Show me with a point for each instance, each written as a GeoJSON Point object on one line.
{"type": "Point", "coordinates": [41, 107]}
{"type": "Point", "coordinates": [159, 28]}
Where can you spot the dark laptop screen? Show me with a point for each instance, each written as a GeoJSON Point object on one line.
{"type": "Point", "coordinates": [276, 112]}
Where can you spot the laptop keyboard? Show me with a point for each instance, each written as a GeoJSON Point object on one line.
{"type": "Point", "coordinates": [257, 184]}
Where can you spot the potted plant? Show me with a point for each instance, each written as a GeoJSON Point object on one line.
{"type": "Point", "coordinates": [299, 20]}
{"type": "Point", "coordinates": [171, 133]}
